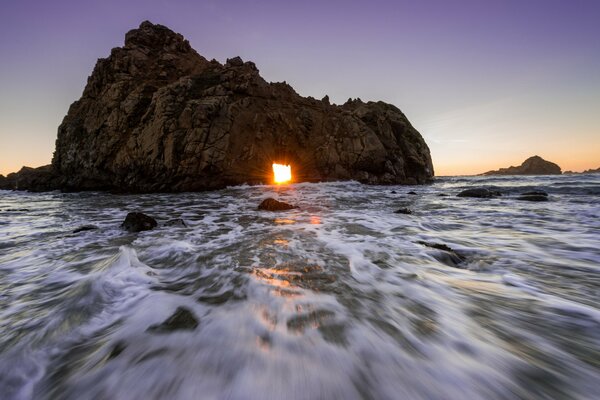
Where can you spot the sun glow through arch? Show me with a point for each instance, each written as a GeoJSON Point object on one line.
{"type": "Point", "coordinates": [282, 173]}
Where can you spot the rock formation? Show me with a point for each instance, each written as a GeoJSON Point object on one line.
{"type": "Point", "coordinates": [157, 116]}
{"type": "Point", "coordinates": [270, 204]}
{"type": "Point", "coordinates": [480, 193]}
{"type": "Point", "coordinates": [587, 171]}
{"type": "Point", "coordinates": [138, 222]}
{"type": "Point", "coordinates": [535, 165]}
{"type": "Point", "coordinates": [34, 179]}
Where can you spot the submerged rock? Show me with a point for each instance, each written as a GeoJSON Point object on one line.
{"type": "Point", "coordinates": [447, 256]}
{"type": "Point", "coordinates": [176, 222]}
{"type": "Point", "coordinates": [157, 116]}
{"type": "Point", "coordinates": [137, 222]}
{"type": "Point", "coordinates": [84, 228]}
{"type": "Point", "coordinates": [535, 165]}
{"type": "Point", "coordinates": [270, 204]}
{"type": "Point", "coordinates": [182, 319]}
{"type": "Point", "coordinates": [116, 350]}
{"type": "Point", "coordinates": [533, 197]}
{"type": "Point", "coordinates": [407, 211]}
{"type": "Point", "coordinates": [481, 193]}
{"type": "Point", "coordinates": [535, 193]}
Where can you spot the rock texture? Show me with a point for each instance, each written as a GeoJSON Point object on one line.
{"type": "Point", "coordinates": [270, 204]}
{"type": "Point", "coordinates": [182, 319]}
{"type": "Point", "coordinates": [157, 116]}
{"type": "Point", "coordinates": [535, 165]}
{"type": "Point", "coordinates": [138, 222]}
{"type": "Point", "coordinates": [34, 179]}
{"type": "Point", "coordinates": [480, 193]}
{"type": "Point", "coordinates": [587, 171]}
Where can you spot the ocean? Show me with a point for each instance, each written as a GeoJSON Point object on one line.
{"type": "Point", "coordinates": [342, 298]}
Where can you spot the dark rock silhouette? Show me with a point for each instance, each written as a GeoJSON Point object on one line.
{"type": "Point", "coordinates": [592, 171]}
{"type": "Point", "coordinates": [533, 197]}
{"type": "Point", "coordinates": [535, 165]}
{"type": "Point", "coordinates": [182, 319]}
{"type": "Point", "coordinates": [137, 222]}
{"type": "Point", "coordinates": [176, 222]}
{"type": "Point", "coordinates": [157, 116]}
{"type": "Point", "coordinates": [33, 179]}
{"type": "Point", "coordinates": [481, 193]}
{"type": "Point", "coordinates": [446, 254]}
{"type": "Point", "coordinates": [587, 171]}
{"type": "Point", "coordinates": [271, 204]}
{"type": "Point", "coordinates": [406, 211]}
{"type": "Point", "coordinates": [85, 228]}
{"type": "Point", "coordinates": [535, 193]}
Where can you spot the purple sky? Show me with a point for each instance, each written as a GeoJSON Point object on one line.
{"type": "Point", "coordinates": [486, 84]}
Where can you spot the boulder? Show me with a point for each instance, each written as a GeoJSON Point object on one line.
{"type": "Point", "coordinates": [137, 222]}
{"type": "Point", "coordinates": [176, 222]}
{"type": "Point", "coordinates": [84, 228]}
{"type": "Point", "coordinates": [481, 193]}
{"type": "Point", "coordinates": [271, 204]}
{"type": "Point", "coordinates": [182, 319]}
{"type": "Point", "coordinates": [157, 116]}
{"type": "Point", "coordinates": [535, 165]}
{"type": "Point", "coordinates": [406, 211]}
{"type": "Point", "coordinates": [446, 255]}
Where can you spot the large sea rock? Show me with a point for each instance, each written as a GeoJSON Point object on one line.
{"type": "Point", "coordinates": [157, 116]}
{"type": "Point", "coordinates": [535, 165]}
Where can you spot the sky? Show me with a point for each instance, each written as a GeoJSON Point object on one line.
{"type": "Point", "coordinates": [487, 83]}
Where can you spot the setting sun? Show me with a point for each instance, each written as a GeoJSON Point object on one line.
{"type": "Point", "coordinates": [282, 173]}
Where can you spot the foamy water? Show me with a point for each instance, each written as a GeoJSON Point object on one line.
{"type": "Point", "coordinates": [338, 299]}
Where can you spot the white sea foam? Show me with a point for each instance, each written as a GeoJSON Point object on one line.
{"type": "Point", "coordinates": [341, 298]}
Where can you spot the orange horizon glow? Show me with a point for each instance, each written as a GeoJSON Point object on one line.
{"type": "Point", "coordinates": [444, 166]}
{"type": "Point", "coordinates": [282, 173]}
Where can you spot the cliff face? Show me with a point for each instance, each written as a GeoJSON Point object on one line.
{"type": "Point", "coordinates": [532, 166]}
{"type": "Point", "coordinates": [157, 116]}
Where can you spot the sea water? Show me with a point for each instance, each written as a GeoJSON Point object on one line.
{"type": "Point", "coordinates": [339, 299]}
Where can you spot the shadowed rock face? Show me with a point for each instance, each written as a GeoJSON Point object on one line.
{"type": "Point", "coordinates": [532, 166]}
{"type": "Point", "coordinates": [157, 116]}
{"type": "Point", "coordinates": [34, 179]}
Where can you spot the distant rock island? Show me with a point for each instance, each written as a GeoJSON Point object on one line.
{"type": "Point", "coordinates": [587, 171]}
{"type": "Point", "coordinates": [535, 165]}
{"type": "Point", "coordinates": [157, 116]}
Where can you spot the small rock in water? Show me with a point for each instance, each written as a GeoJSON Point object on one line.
{"type": "Point", "coordinates": [407, 211]}
{"type": "Point", "coordinates": [176, 222]}
{"type": "Point", "coordinates": [533, 197]}
{"type": "Point", "coordinates": [411, 192]}
{"type": "Point", "coordinates": [84, 228]}
{"type": "Point", "coordinates": [480, 193]}
{"type": "Point", "coordinates": [442, 195]}
{"type": "Point", "coordinates": [535, 193]}
{"type": "Point", "coordinates": [182, 319]}
{"type": "Point", "coordinates": [449, 256]}
{"type": "Point", "coordinates": [137, 222]}
{"type": "Point", "coordinates": [393, 192]}
{"type": "Point", "coordinates": [116, 350]}
{"type": "Point", "coordinates": [271, 204]}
